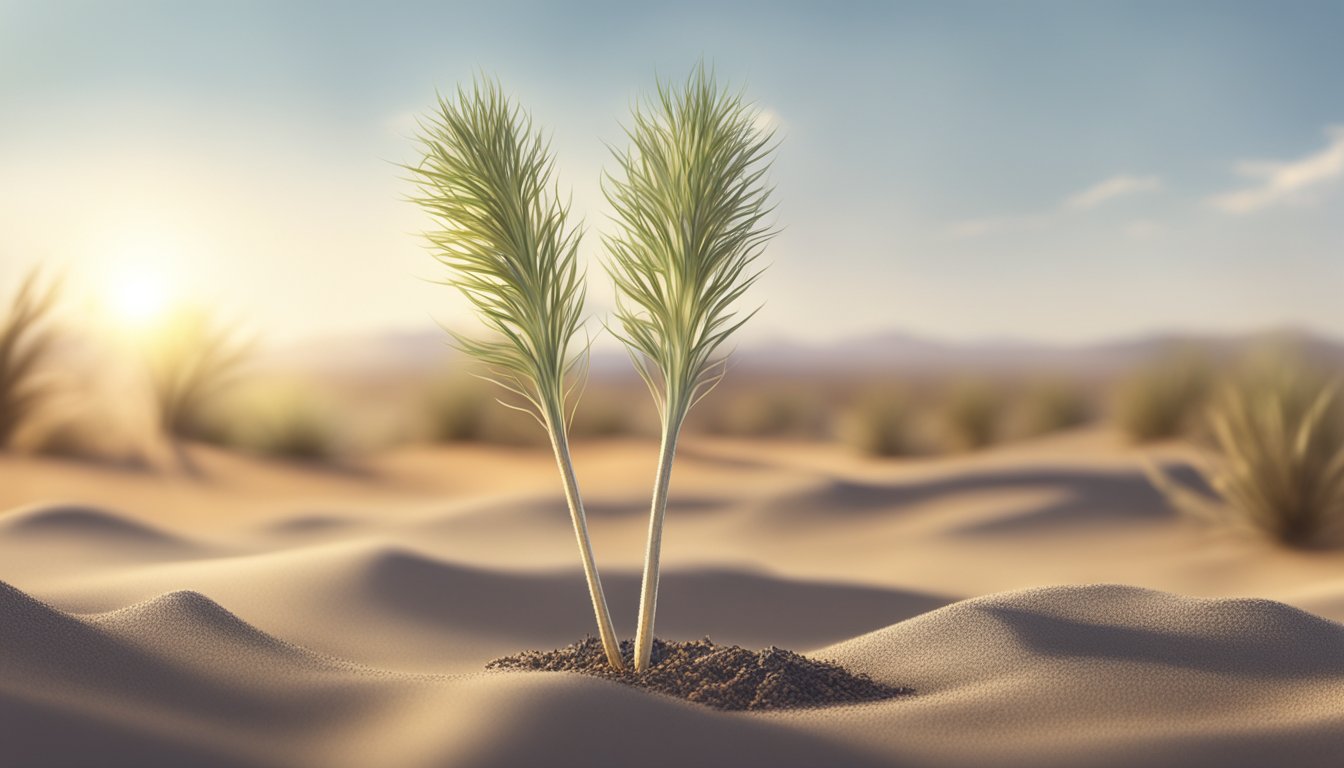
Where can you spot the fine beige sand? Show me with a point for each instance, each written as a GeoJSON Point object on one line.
{"type": "Point", "coordinates": [1046, 605]}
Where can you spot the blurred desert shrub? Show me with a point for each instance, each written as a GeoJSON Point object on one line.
{"type": "Point", "coordinates": [607, 412]}
{"type": "Point", "coordinates": [193, 360]}
{"type": "Point", "coordinates": [1052, 406]}
{"type": "Point", "coordinates": [456, 410]}
{"type": "Point", "coordinates": [881, 424]}
{"type": "Point", "coordinates": [73, 431]}
{"type": "Point", "coordinates": [971, 413]}
{"type": "Point", "coordinates": [280, 419]}
{"type": "Point", "coordinates": [1162, 399]}
{"type": "Point", "coordinates": [1277, 433]}
{"type": "Point", "coordinates": [27, 342]}
{"type": "Point", "coordinates": [462, 409]}
{"type": "Point", "coordinates": [793, 413]}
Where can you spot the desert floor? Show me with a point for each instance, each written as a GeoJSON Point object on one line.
{"type": "Point", "coordinates": [1045, 603]}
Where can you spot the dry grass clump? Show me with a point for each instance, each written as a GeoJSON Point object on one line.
{"type": "Point", "coordinates": [971, 415]}
{"type": "Point", "coordinates": [1162, 400]}
{"type": "Point", "coordinates": [86, 434]}
{"type": "Point", "coordinates": [1278, 439]}
{"type": "Point", "coordinates": [457, 411]}
{"type": "Point", "coordinates": [193, 362]}
{"type": "Point", "coordinates": [798, 414]}
{"type": "Point", "coordinates": [27, 340]}
{"type": "Point", "coordinates": [284, 420]}
{"type": "Point", "coordinates": [1053, 406]}
{"type": "Point", "coordinates": [881, 424]}
{"type": "Point", "coordinates": [463, 410]}
{"type": "Point", "coordinates": [609, 413]}
{"type": "Point", "coordinates": [303, 431]}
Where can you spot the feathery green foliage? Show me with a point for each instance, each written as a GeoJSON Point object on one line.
{"type": "Point", "coordinates": [27, 340]}
{"type": "Point", "coordinates": [690, 202]}
{"type": "Point", "coordinates": [485, 177]}
{"type": "Point", "coordinates": [691, 206]}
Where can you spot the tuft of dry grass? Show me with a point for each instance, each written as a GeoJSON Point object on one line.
{"type": "Point", "coordinates": [1276, 434]}
{"type": "Point", "coordinates": [301, 429]}
{"type": "Point", "coordinates": [1163, 399]}
{"type": "Point", "coordinates": [192, 363]}
{"type": "Point", "coordinates": [1053, 406]}
{"type": "Point", "coordinates": [1279, 435]}
{"type": "Point", "coordinates": [457, 411]}
{"type": "Point", "coordinates": [880, 425]}
{"type": "Point", "coordinates": [27, 341]}
{"type": "Point", "coordinates": [971, 414]}
{"type": "Point", "coordinates": [779, 413]}
{"type": "Point", "coordinates": [280, 419]}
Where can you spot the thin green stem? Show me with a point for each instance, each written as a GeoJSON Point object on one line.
{"type": "Point", "coordinates": [648, 591]}
{"type": "Point", "coordinates": [560, 443]}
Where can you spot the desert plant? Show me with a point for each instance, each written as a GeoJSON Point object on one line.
{"type": "Point", "coordinates": [485, 178]}
{"type": "Point", "coordinates": [880, 425]}
{"type": "Point", "coordinates": [971, 414]}
{"type": "Point", "coordinates": [690, 206]}
{"type": "Point", "coordinates": [1051, 406]}
{"type": "Point", "coordinates": [27, 340]}
{"type": "Point", "coordinates": [1277, 434]}
{"type": "Point", "coordinates": [193, 361]}
{"type": "Point", "coordinates": [298, 426]}
{"type": "Point", "coordinates": [457, 412]}
{"type": "Point", "coordinates": [1163, 398]}
{"type": "Point", "coordinates": [770, 414]}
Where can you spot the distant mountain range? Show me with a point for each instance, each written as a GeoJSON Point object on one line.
{"type": "Point", "coordinates": [427, 351]}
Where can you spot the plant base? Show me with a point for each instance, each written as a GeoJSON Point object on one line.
{"type": "Point", "coordinates": [720, 676]}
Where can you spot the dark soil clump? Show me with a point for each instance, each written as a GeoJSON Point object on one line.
{"type": "Point", "coordinates": [719, 676]}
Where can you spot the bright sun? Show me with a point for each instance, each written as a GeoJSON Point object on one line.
{"type": "Point", "coordinates": [139, 297]}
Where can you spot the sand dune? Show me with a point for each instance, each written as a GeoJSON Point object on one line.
{"type": "Point", "coordinates": [1059, 676]}
{"type": "Point", "coordinates": [279, 617]}
{"type": "Point", "coordinates": [1107, 675]}
{"type": "Point", "coordinates": [96, 528]}
{"type": "Point", "coordinates": [426, 614]}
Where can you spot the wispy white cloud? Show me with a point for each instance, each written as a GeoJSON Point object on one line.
{"type": "Point", "coordinates": [1280, 182]}
{"type": "Point", "coordinates": [1096, 195]}
{"type": "Point", "coordinates": [1110, 189]}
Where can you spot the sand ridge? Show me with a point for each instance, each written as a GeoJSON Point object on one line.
{"type": "Point", "coordinates": [275, 617]}
{"type": "Point", "coordinates": [1012, 668]}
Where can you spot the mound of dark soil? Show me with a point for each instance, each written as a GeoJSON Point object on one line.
{"type": "Point", "coordinates": [719, 676]}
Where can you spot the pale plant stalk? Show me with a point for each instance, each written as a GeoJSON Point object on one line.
{"type": "Point", "coordinates": [485, 178]}
{"type": "Point", "coordinates": [690, 205]}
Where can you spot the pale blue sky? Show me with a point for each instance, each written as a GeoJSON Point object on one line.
{"type": "Point", "coordinates": [1058, 171]}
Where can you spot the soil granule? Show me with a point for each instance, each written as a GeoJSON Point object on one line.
{"type": "Point", "coordinates": [720, 676]}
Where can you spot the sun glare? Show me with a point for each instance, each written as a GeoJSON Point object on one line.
{"type": "Point", "coordinates": [138, 298]}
